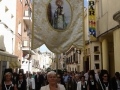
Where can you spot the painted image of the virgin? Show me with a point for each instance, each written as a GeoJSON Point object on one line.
{"type": "Point", "coordinates": [56, 14]}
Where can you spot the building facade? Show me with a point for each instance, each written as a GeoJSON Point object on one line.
{"type": "Point", "coordinates": [8, 59]}
{"type": "Point", "coordinates": [103, 53]}
{"type": "Point", "coordinates": [91, 53]}
{"type": "Point", "coordinates": [73, 59]}
{"type": "Point", "coordinates": [108, 33]}
{"type": "Point", "coordinates": [46, 60]}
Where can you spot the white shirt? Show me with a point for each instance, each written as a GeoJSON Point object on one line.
{"type": "Point", "coordinates": [86, 76]}
{"type": "Point", "coordinates": [60, 87]}
{"type": "Point", "coordinates": [79, 85]}
{"type": "Point", "coordinates": [30, 82]}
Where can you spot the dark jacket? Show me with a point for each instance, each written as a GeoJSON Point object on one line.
{"type": "Point", "coordinates": [39, 81]}
{"type": "Point", "coordinates": [72, 85]}
{"type": "Point", "coordinates": [114, 83]}
{"type": "Point", "coordinates": [23, 85]}
{"type": "Point", "coordinates": [100, 87]}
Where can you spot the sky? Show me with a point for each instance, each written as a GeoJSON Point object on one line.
{"type": "Point", "coordinates": [85, 3]}
{"type": "Point", "coordinates": [43, 48]}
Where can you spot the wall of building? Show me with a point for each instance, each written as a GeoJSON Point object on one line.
{"type": "Point", "coordinates": [19, 28]}
{"type": "Point", "coordinates": [106, 23]}
{"type": "Point", "coordinates": [45, 60]}
{"type": "Point", "coordinates": [8, 9]}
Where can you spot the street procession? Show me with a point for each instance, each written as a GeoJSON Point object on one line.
{"type": "Point", "coordinates": [60, 45]}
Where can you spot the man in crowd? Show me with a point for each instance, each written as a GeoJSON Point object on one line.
{"type": "Point", "coordinates": [38, 81]}
{"type": "Point", "coordinates": [86, 75]}
{"type": "Point", "coordinates": [65, 79]}
{"type": "Point", "coordinates": [115, 82]}
{"type": "Point", "coordinates": [72, 84]}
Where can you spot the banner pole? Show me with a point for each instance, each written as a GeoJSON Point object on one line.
{"type": "Point", "coordinates": [56, 63]}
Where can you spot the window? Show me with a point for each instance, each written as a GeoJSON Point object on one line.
{"type": "Point", "coordinates": [25, 43]}
{"type": "Point", "coordinates": [26, 13]}
{"type": "Point", "coordinates": [97, 66]}
{"type": "Point", "coordinates": [71, 59]}
{"type": "Point", "coordinates": [19, 28]}
{"type": "Point", "coordinates": [74, 57]}
{"type": "Point", "coordinates": [96, 57]}
{"type": "Point", "coordinates": [96, 48]}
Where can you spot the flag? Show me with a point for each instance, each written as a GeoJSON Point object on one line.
{"type": "Point", "coordinates": [92, 20]}
{"type": "Point", "coordinates": [58, 24]}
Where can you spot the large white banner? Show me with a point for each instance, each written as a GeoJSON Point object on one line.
{"type": "Point", "coordinates": [58, 24]}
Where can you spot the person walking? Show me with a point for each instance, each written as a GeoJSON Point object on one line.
{"type": "Point", "coordinates": [30, 83]}
{"type": "Point", "coordinates": [115, 82]}
{"type": "Point", "coordinates": [21, 82]}
{"type": "Point", "coordinates": [72, 84]}
{"type": "Point", "coordinates": [82, 85]}
{"type": "Point", "coordinates": [7, 82]}
{"type": "Point", "coordinates": [52, 80]}
{"type": "Point", "coordinates": [92, 83]}
{"type": "Point", "coordinates": [105, 83]}
{"type": "Point", "coordinates": [39, 79]}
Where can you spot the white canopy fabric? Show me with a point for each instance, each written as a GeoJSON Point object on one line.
{"type": "Point", "coordinates": [57, 41]}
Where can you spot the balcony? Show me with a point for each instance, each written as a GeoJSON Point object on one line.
{"type": "Point", "coordinates": [28, 18]}
{"type": "Point", "coordinates": [26, 48]}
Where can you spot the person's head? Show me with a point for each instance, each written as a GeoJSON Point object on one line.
{"type": "Point", "coordinates": [26, 72]}
{"type": "Point", "coordinates": [58, 77]}
{"type": "Point", "coordinates": [105, 77]}
{"type": "Point", "coordinates": [59, 2]}
{"type": "Point", "coordinates": [73, 76]}
{"type": "Point", "coordinates": [91, 76]}
{"type": "Point", "coordinates": [65, 73]}
{"type": "Point", "coordinates": [82, 78]}
{"type": "Point", "coordinates": [77, 77]}
{"type": "Point", "coordinates": [38, 73]}
{"type": "Point", "coordinates": [34, 73]}
{"type": "Point", "coordinates": [20, 75]}
{"type": "Point", "coordinates": [117, 75]}
{"type": "Point", "coordinates": [8, 76]}
{"type": "Point", "coordinates": [98, 71]}
{"type": "Point", "coordinates": [88, 71]}
{"type": "Point", "coordinates": [51, 77]}
{"type": "Point", "coordinates": [30, 75]}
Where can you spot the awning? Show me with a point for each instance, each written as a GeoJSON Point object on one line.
{"type": "Point", "coordinates": [12, 59]}
{"type": "Point", "coordinates": [14, 64]}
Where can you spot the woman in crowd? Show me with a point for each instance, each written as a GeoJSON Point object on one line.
{"type": "Point", "coordinates": [53, 85]}
{"type": "Point", "coordinates": [105, 83]}
{"type": "Point", "coordinates": [82, 85]}
{"type": "Point", "coordinates": [92, 83]}
{"type": "Point", "coordinates": [7, 82]}
{"type": "Point", "coordinates": [21, 82]}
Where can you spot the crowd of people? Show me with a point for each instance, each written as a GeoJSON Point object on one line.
{"type": "Point", "coordinates": [91, 80]}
